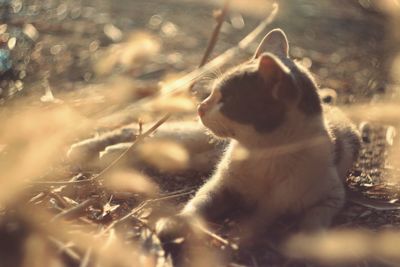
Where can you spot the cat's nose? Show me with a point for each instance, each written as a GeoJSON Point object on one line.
{"type": "Point", "coordinates": [201, 109]}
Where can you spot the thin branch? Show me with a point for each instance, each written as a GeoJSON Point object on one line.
{"type": "Point", "coordinates": [75, 211]}
{"type": "Point", "coordinates": [138, 139]}
{"type": "Point", "coordinates": [375, 204]}
{"type": "Point", "coordinates": [220, 17]}
{"type": "Point", "coordinates": [61, 183]}
{"type": "Point", "coordinates": [217, 237]}
{"type": "Point", "coordinates": [86, 258]}
{"type": "Point", "coordinates": [60, 201]}
{"type": "Point", "coordinates": [64, 248]}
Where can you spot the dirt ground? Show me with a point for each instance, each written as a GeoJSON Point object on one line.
{"type": "Point", "coordinates": [344, 45]}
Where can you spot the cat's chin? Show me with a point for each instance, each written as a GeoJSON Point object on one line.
{"type": "Point", "coordinates": [215, 128]}
{"type": "Point", "coordinates": [220, 133]}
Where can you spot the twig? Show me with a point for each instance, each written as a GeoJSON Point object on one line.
{"type": "Point", "coordinates": [75, 180]}
{"type": "Point", "coordinates": [86, 258]}
{"type": "Point", "coordinates": [375, 204]}
{"type": "Point", "coordinates": [220, 17]}
{"type": "Point", "coordinates": [138, 139]}
{"type": "Point", "coordinates": [38, 197]}
{"type": "Point", "coordinates": [75, 211]}
{"type": "Point", "coordinates": [61, 202]}
{"type": "Point", "coordinates": [61, 183]}
{"type": "Point", "coordinates": [216, 237]}
{"type": "Point", "coordinates": [63, 248]}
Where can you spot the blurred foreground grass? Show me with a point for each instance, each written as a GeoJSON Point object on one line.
{"type": "Point", "coordinates": [78, 70]}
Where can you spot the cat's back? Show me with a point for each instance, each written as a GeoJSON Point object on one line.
{"type": "Point", "coordinates": [345, 139]}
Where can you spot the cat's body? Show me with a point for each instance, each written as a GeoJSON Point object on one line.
{"type": "Point", "coordinates": [303, 176]}
{"type": "Point", "coordinates": [288, 153]}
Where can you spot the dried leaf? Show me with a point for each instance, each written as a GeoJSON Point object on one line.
{"type": "Point", "coordinates": [108, 208]}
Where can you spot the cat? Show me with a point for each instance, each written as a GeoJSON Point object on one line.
{"type": "Point", "coordinates": [287, 153]}
{"type": "Point", "coordinates": [282, 150]}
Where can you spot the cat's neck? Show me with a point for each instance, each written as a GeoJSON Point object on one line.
{"type": "Point", "coordinates": [296, 130]}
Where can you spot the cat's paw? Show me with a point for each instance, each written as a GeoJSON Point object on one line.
{"type": "Point", "coordinates": [170, 229]}
{"type": "Point", "coordinates": [173, 233]}
{"type": "Point", "coordinates": [82, 152]}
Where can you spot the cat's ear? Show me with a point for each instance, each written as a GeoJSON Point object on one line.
{"type": "Point", "coordinates": [275, 74]}
{"type": "Point", "coordinates": [271, 68]}
{"type": "Point", "coordinates": [274, 42]}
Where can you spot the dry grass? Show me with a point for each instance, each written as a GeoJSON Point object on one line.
{"type": "Point", "coordinates": [64, 217]}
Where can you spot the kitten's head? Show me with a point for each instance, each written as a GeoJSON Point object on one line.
{"type": "Point", "coordinates": [258, 95]}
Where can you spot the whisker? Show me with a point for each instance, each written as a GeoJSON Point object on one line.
{"type": "Point", "coordinates": [212, 75]}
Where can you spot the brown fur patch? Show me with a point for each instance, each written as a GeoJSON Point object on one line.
{"type": "Point", "coordinates": [247, 99]}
